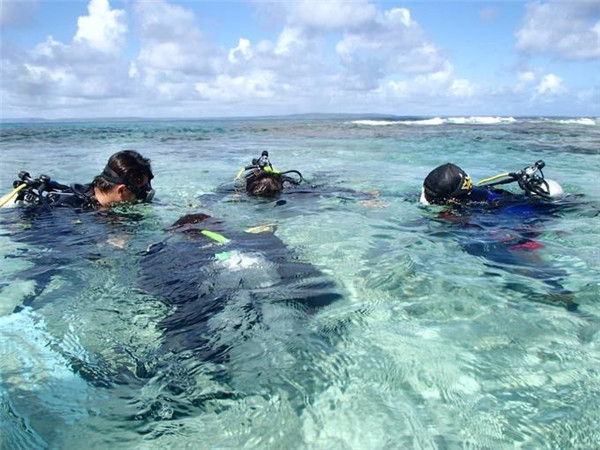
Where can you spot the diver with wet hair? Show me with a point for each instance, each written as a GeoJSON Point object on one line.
{"type": "Point", "coordinates": [75, 221]}
{"type": "Point", "coordinates": [263, 180]}
{"type": "Point", "coordinates": [502, 226]}
{"type": "Point", "coordinates": [126, 178]}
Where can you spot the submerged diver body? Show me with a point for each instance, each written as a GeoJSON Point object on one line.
{"type": "Point", "coordinates": [203, 275]}
{"type": "Point", "coordinates": [239, 319]}
{"type": "Point", "coordinates": [53, 216]}
{"type": "Point", "coordinates": [501, 226]}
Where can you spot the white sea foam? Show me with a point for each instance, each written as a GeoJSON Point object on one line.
{"type": "Point", "coordinates": [434, 121]}
{"type": "Point", "coordinates": [472, 120]}
{"type": "Point", "coordinates": [480, 120]}
{"type": "Point", "coordinates": [579, 121]}
{"type": "Point", "coordinates": [375, 122]}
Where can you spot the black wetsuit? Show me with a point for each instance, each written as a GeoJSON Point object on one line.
{"type": "Point", "coordinates": [61, 229]}
{"type": "Point", "coordinates": [203, 279]}
{"type": "Point", "coordinates": [504, 229]}
{"type": "Point", "coordinates": [76, 196]}
{"type": "Point", "coordinates": [294, 194]}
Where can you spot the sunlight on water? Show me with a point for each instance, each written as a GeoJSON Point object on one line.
{"type": "Point", "coordinates": [371, 322]}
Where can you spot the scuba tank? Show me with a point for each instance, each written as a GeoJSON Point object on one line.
{"type": "Point", "coordinates": [262, 165]}
{"type": "Point", "coordinates": [531, 180]}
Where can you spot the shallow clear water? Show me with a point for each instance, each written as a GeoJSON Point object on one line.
{"type": "Point", "coordinates": [438, 337]}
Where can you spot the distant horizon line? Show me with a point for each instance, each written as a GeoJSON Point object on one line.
{"type": "Point", "coordinates": [279, 116]}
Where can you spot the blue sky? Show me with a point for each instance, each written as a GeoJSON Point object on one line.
{"type": "Point", "coordinates": [161, 58]}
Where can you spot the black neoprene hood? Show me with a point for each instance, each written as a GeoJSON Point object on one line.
{"type": "Point", "coordinates": [445, 182]}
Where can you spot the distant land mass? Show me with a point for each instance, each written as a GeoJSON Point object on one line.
{"type": "Point", "coordinates": [306, 116]}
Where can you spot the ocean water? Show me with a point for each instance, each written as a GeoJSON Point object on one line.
{"type": "Point", "coordinates": [439, 331]}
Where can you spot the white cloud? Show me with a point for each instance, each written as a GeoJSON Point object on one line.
{"type": "Point", "coordinates": [526, 80]}
{"type": "Point", "coordinates": [293, 56]}
{"type": "Point", "coordinates": [372, 43]}
{"type": "Point", "coordinates": [243, 52]}
{"type": "Point", "coordinates": [441, 85]}
{"type": "Point", "coordinates": [461, 88]}
{"type": "Point", "coordinates": [526, 77]}
{"type": "Point", "coordinates": [104, 29]}
{"type": "Point", "coordinates": [550, 84]}
{"type": "Point", "coordinates": [399, 16]}
{"type": "Point", "coordinates": [290, 41]}
{"type": "Point", "coordinates": [50, 49]}
{"type": "Point", "coordinates": [256, 85]}
{"type": "Point", "coordinates": [177, 64]}
{"type": "Point", "coordinates": [133, 71]}
{"type": "Point", "coordinates": [171, 43]}
{"type": "Point", "coordinates": [566, 29]}
{"type": "Point", "coordinates": [174, 54]}
{"type": "Point", "coordinates": [393, 44]}
{"type": "Point", "coordinates": [87, 69]}
{"type": "Point", "coordinates": [328, 56]}
{"type": "Point", "coordinates": [322, 16]}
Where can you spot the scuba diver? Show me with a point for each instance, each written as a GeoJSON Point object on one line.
{"type": "Point", "coordinates": [74, 221]}
{"type": "Point", "coordinates": [203, 272]}
{"type": "Point", "coordinates": [502, 226]}
{"type": "Point", "coordinates": [126, 178]}
{"type": "Point", "coordinates": [232, 296]}
{"type": "Point", "coordinates": [262, 179]}
{"type": "Point", "coordinates": [449, 184]}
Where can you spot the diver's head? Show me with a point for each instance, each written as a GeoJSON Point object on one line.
{"type": "Point", "coordinates": [264, 184]}
{"type": "Point", "coordinates": [445, 184]}
{"type": "Point", "coordinates": [126, 178]}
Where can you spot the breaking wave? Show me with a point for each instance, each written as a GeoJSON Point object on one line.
{"type": "Point", "coordinates": [478, 120]}
{"type": "Point", "coordinates": [375, 122]}
{"type": "Point", "coordinates": [475, 120]}
{"type": "Point", "coordinates": [575, 121]}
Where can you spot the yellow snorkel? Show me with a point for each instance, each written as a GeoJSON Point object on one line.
{"type": "Point", "coordinates": [9, 196]}
{"type": "Point", "coordinates": [239, 175]}
{"type": "Point", "coordinates": [215, 236]}
{"type": "Point", "coordinates": [262, 166]}
{"type": "Point", "coordinates": [530, 179]}
{"type": "Point", "coordinates": [494, 178]}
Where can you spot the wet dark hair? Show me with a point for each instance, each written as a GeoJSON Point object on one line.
{"type": "Point", "coordinates": [264, 185]}
{"type": "Point", "coordinates": [446, 182]}
{"type": "Point", "coordinates": [128, 166]}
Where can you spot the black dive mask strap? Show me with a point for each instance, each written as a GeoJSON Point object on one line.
{"type": "Point", "coordinates": [111, 176]}
{"type": "Point", "coordinates": [143, 193]}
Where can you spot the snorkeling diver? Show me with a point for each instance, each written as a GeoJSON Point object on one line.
{"type": "Point", "coordinates": [126, 178]}
{"type": "Point", "coordinates": [262, 179]}
{"type": "Point", "coordinates": [502, 226]}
